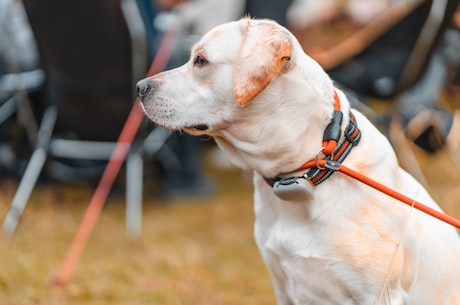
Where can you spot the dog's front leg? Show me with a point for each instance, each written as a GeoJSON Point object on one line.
{"type": "Point", "coordinates": [279, 278]}
{"type": "Point", "coordinates": [265, 217]}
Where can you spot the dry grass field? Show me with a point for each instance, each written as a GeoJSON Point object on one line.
{"type": "Point", "coordinates": [195, 251]}
{"type": "Point", "coordinates": [192, 251]}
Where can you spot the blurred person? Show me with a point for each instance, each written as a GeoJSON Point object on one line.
{"type": "Point", "coordinates": [375, 69]}
{"type": "Point", "coordinates": [425, 122]}
{"type": "Point", "coordinates": [305, 13]}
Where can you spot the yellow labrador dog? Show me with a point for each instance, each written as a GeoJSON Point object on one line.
{"type": "Point", "coordinates": [325, 238]}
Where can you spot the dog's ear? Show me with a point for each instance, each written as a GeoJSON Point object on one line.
{"type": "Point", "coordinates": [263, 52]}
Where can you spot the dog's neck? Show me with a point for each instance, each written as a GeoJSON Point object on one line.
{"type": "Point", "coordinates": [273, 147]}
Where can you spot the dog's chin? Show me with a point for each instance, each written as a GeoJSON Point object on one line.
{"type": "Point", "coordinates": [196, 129]}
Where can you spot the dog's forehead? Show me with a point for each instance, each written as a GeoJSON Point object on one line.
{"type": "Point", "coordinates": [221, 38]}
{"type": "Point", "coordinates": [227, 37]}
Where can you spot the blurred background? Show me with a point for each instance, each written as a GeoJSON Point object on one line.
{"type": "Point", "coordinates": [177, 224]}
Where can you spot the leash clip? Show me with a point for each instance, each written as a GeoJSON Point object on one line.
{"type": "Point", "coordinates": [332, 165]}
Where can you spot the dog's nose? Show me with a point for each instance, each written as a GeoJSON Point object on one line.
{"type": "Point", "coordinates": [143, 88]}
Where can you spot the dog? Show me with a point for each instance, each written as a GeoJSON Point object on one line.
{"type": "Point", "coordinates": [267, 104]}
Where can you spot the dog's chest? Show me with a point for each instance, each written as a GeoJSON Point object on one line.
{"type": "Point", "coordinates": [307, 270]}
{"type": "Point", "coordinates": [299, 253]}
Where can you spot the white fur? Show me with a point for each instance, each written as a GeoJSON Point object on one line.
{"type": "Point", "coordinates": [348, 243]}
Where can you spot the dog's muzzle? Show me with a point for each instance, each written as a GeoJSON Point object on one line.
{"type": "Point", "coordinates": [146, 86]}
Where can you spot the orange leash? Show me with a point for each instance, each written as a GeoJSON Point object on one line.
{"type": "Point", "coordinates": [392, 193]}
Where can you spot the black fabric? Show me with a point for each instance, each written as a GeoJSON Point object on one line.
{"type": "Point", "coordinates": [272, 9]}
{"type": "Point", "coordinates": [85, 51]}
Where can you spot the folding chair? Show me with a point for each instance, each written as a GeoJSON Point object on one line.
{"type": "Point", "coordinates": [92, 53]}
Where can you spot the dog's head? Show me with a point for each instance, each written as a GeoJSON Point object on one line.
{"type": "Point", "coordinates": [247, 82]}
{"type": "Point", "coordinates": [227, 69]}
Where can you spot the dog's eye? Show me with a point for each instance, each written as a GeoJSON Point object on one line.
{"type": "Point", "coordinates": [200, 61]}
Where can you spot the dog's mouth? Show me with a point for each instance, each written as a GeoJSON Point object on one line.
{"type": "Point", "coordinates": [199, 127]}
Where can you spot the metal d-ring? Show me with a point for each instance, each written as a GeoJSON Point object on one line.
{"type": "Point", "coordinates": [317, 156]}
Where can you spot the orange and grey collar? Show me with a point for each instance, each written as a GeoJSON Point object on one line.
{"type": "Point", "coordinates": [335, 148]}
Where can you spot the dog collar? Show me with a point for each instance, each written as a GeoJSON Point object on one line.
{"type": "Point", "coordinates": [335, 148]}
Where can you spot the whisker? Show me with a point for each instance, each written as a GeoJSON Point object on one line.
{"type": "Point", "coordinates": [387, 276]}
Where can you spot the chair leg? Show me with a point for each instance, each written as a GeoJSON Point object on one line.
{"type": "Point", "coordinates": [32, 172]}
{"type": "Point", "coordinates": [7, 109]}
{"type": "Point", "coordinates": [134, 189]}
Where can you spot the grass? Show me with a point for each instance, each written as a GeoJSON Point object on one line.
{"type": "Point", "coordinates": [191, 252]}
